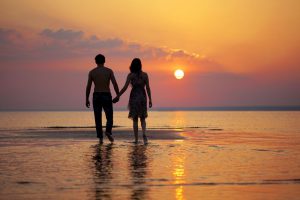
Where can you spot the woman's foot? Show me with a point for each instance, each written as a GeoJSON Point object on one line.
{"type": "Point", "coordinates": [145, 139]}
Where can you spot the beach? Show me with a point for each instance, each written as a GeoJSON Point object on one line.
{"type": "Point", "coordinates": [187, 162]}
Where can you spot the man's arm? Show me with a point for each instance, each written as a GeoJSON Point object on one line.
{"type": "Point", "coordinates": [88, 90]}
{"type": "Point", "coordinates": [114, 82]}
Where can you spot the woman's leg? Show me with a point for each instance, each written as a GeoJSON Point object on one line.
{"type": "Point", "coordinates": [143, 124]}
{"type": "Point", "coordinates": [135, 129]}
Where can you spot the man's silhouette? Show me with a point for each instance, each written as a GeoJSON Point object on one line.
{"type": "Point", "coordinates": [101, 77]}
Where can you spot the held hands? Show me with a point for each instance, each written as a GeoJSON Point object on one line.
{"type": "Point", "coordinates": [116, 99]}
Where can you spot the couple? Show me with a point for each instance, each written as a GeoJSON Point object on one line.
{"type": "Point", "coordinates": [101, 77]}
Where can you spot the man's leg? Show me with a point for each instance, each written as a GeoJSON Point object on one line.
{"type": "Point", "coordinates": [98, 115]}
{"type": "Point", "coordinates": [108, 109]}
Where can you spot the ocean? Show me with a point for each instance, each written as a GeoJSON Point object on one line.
{"type": "Point", "coordinates": [190, 155]}
{"type": "Point", "coordinates": [246, 121]}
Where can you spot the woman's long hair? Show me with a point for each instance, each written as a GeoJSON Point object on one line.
{"type": "Point", "coordinates": [136, 66]}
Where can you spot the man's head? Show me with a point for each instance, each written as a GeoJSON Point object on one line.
{"type": "Point", "coordinates": [100, 59]}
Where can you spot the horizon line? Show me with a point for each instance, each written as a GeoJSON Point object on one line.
{"type": "Point", "coordinates": [200, 108]}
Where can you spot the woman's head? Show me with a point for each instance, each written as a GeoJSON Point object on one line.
{"type": "Point", "coordinates": [136, 66]}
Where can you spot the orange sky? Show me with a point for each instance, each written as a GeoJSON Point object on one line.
{"type": "Point", "coordinates": [234, 53]}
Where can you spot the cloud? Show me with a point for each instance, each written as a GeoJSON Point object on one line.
{"type": "Point", "coordinates": [62, 34]}
{"type": "Point", "coordinates": [62, 43]}
{"type": "Point", "coordinates": [8, 36]}
{"type": "Point", "coordinates": [12, 45]}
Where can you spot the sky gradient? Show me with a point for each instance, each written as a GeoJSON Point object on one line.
{"type": "Point", "coordinates": [234, 53]}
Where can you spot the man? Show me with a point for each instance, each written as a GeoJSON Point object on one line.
{"type": "Point", "coordinates": [101, 77]}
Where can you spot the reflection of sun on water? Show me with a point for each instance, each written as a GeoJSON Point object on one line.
{"type": "Point", "coordinates": [179, 193]}
{"type": "Point", "coordinates": [179, 175]}
{"type": "Point", "coordinates": [178, 119]}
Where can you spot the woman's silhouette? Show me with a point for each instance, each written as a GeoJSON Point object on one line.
{"type": "Point", "coordinates": [138, 99]}
{"type": "Point", "coordinates": [138, 166]}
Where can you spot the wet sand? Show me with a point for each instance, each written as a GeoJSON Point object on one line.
{"type": "Point", "coordinates": [66, 163]}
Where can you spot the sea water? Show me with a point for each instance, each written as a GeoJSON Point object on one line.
{"type": "Point", "coordinates": [219, 155]}
{"type": "Point", "coordinates": [247, 121]}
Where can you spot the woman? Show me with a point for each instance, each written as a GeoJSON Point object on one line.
{"type": "Point", "coordinates": [138, 100]}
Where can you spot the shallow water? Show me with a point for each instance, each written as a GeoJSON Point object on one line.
{"type": "Point", "coordinates": [164, 169]}
{"type": "Point", "coordinates": [208, 160]}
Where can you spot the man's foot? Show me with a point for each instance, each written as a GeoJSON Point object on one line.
{"type": "Point", "coordinates": [109, 136]}
{"type": "Point", "coordinates": [100, 140]}
{"type": "Point", "coordinates": [145, 139]}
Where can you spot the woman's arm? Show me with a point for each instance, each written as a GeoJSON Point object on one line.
{"type": "Point", "coordinates": [148, 91]}
{"type": "Point", "coordinates": [114, 82]}
{"type": "Point", "coordinates": [116, 99]}
{"type": "Point", "coordinates": [125, 86]}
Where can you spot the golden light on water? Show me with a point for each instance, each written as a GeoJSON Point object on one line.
{"type": "Point", "coordinates": [179, 74]}
{"type": "Point", "coordinates": [179, 176]}
{"type": "Point", "coordinates": [179, 173]}
{"type": "Point", "coordinates": [179, 193]}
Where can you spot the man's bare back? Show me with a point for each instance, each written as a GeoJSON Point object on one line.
{"type": "Point", "coordinates": [101, 77]}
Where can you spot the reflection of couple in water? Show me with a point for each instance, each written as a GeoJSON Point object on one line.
{"type": "Point", "coordinates": [101, 77]}
{"type": "Point", "coordinates": [104, 173]}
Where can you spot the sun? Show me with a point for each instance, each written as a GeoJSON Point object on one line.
{"type": "Point", "coordinates": [179, 74]}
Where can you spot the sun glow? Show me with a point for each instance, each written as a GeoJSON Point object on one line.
{"type": "Point", "coordinates": [179, 74]}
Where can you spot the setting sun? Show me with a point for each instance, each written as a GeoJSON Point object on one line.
{"type": "Point", "coordinates": [179, 74]}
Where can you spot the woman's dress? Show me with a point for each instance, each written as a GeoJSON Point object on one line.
{"type": "Point", "coordinates": [138, 100]}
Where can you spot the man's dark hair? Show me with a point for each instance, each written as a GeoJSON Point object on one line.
{"type": "Point", "coordinates": [100, 59]}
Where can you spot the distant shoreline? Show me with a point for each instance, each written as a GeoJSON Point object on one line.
{"type": "Point", "coordinates": [221, 108]}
